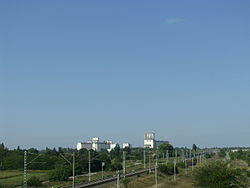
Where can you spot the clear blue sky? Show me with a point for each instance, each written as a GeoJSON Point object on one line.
{"type": "Point", "coordinates": [70, 70]}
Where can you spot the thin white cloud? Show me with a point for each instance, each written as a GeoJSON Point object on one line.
{"type": "Point", "coordinates": [175, 20]}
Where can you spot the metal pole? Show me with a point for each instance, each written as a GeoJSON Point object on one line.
{"type": "Point", "coordinates": [197, 159]}
{"type": "Point", "coordinates": [124, 164]}
{"type": "Point", "coordinates": [156, 157]}
{"type": "Point", "coordinates": [25, 170]}
{"type": "Point", "coordinates": [102, 170]}
{"type": "Point", "coordinates": [185, 166]}
{"type": "Point", "coordinates": [156, 165]}
{"type": "Point", "coordinates": [149, 165]}
{"type": "Point", "coordinates": [73, 169]}
{"type": "Point", "coordinates": [176, 155]}
{"type": "Point", "coordinates": [156, 180]}
{"type": "Point", "coordinates": [118, 180]}
{"type": "Point", "coordinates": [175, 170]}
{"type": "Point", "coordinates": [144, 158]}
{"type": "Point", "coordinates": [89, 167]}
{"type": "Point", "coordinates": [192, 163]}
{"type": "Point", "coordinates": [167, 156]}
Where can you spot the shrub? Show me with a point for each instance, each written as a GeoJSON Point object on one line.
{"type": "Point", "coordinates": [34, 181]}
{"type": "Point", "coordinates": [209, 155]}
{"type": "Point", "coordinates": [222, 153]}
{"type": "Point", "coordinates": [59, 174]}
{"type": "Point", "coordinates": [115, 166]}
{"type": "Point", "coordinates": [167, 169]}
{"type": "Point", "coordinates": [181, 164]}
{"type": "Point", "coordinates": [217, 174]}
{"type": "Point", "coordinates": [125, 182]}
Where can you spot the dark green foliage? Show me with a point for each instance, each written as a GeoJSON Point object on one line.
{"type": "Point", "coordinates": [125, 182]}
{"type": "Point", "coordinates": [1, 186]}
{"type": "Point", "coordinates": [34, 182]}
{"type": "Point", "coordinates": [167, 169]}
{"type": "Point", "coordinates": [194, 147]}
{"type": "Point", "coordinates": [218, 175]}
{"type": "Point", "coordinates": [163, 148]}
{"type": "Point", "coordinates": [242, 155]}
{"type": "Point", "coordinates": [181, 164]}
{"type": "Point", "coordinates": [116, 166]}
{"type": "Point", "coordinates": [136, 153]}
{"type": "Point", "coordinates": [248, 173]}
{"type": "Point", "coordinates": [222, 153]}
{"type": "Point", "coordinates": [209, 155]}
{"type": "Point", "coordinates": [13, 160]}
{"type": "Point", "coordinates": [59, 174]}
{"type": "Point", "coordinates": [116, 152]}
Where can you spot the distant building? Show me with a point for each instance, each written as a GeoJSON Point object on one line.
{"type": "Point", "coordinates": [126, 145]}
{"type": "Point", "coordinates": [96, 145]}
{"type": "Point", "coordinates": [151, 142]}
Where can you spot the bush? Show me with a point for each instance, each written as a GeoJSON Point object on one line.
{"type": "Point", "coordinates": [217, 174]}
{"type": "Point", "coordinates": [125, 182]}
{"type": "Point", "coordinates": [34, 181]}
{"type": "Point", "coordinates": [222, 153]}
{"type": "Point", "coordinates": [115, 166]}
{"type": "Point", "coordinates": [167, 169]}
{"type": "Point", "coordinates": [209, 155]}
{"type": "Point", "coordinates": [59, 174]}
{"type": "Point", "coordinates": [181, 164]}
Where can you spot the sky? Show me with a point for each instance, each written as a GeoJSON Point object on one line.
{"type": "Point", "coordinates": [71, 70]}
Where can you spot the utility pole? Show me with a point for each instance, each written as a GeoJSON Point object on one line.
{"type": "Point", "coordinates": [124, 164]}
{"type": "Point", "coordinates": [149, 162]}
{"type": "Point", "coordinates": [167, 155]}
{"type": "Point", "coordinates": [73, 166]}
{"type": "Point", "coordinates": [144, 158]}
{"type": "Point", "coordinates": [89, 167]}
{"type": "Point", "coordinates": [185, 166]}
{"type": "Point", "coordinates": [192, 158]}
{"type": "Point", "coordinates": [156, 166]}
{"type": "Point", "coordinates": [25, 170]}
{"type": "Point", "coordinates": [156, 157]}
{"type": "Point", "coordinates": [118, 180]}
{"type": "Point", "coordinates": [73, 169]}
{"type": "Point", "coordinates": [175, 170]}
{"type": "Point", "coordinates": [197, 158]}
{"type": "Point", "coordinates": [25, 166]}
{"type": "Point", "coordinates": [103, 164]}
{"type": "Point", "coordinates": [176, 155]}
{"type": "Point", "coordinates": [156, 180]}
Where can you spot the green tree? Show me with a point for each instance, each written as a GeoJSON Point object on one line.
{"type": "Point", "coordinates": [125, 182]}
{"type": "Point", "coordinates": [34, 182]}
{"type": "Point", "coordinates": [167, 169]}
{"type": "Point", "coordinates": [218, 174]}
{"type": "Point", "coordinates": [222, 153]}
{"type": "Point", "coordinates": [59, 174]}
{"type": "Point", "coordinates": [166, 147]}
{"type": "Point", "coordinates": [115, 166]}
{"type": "Point", "coordinates": [194, 147]}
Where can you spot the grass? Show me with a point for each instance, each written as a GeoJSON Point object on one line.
{"type": "Point", "coordinates": [7, 174]}
{"type": "Point", "coordinates": [15, 178]}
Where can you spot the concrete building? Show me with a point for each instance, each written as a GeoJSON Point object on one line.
{"type": "Point", "coordinates": [126, 145]}
{"type": "Point", "coordinates": [96, 145]}
{"type": "Point", "coordinates": [151, 142]}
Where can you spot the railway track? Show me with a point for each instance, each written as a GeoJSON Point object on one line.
{"type": "Point", "coordinates": [108, 179]}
